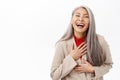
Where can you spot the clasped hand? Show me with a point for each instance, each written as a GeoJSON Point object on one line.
{"type": "Point", "coordinates": [84, 67]}
{"type": "Point", "coordinates": [76, 53]}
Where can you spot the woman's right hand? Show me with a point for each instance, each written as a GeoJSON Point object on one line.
{"type": "Point", "coordinates": [79, 51]}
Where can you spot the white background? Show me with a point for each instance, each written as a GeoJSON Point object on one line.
{"type": "Point", "coordinates": [30, 28]}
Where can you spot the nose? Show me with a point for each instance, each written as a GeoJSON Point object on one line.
{"type": "Point", "coordinates": [81, 18]}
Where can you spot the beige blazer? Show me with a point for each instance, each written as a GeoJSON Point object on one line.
{"type": "Point", "coordinates": [63, 63]}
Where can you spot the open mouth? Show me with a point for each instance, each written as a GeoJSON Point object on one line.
{"type": "Point", "coordinates": [80, 25]}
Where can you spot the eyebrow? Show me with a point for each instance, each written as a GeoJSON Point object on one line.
{"type": "Point", "coordinates": [79, 13]}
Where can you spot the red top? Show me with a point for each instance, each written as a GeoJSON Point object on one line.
{"type": "Point", "coordinates": [79, 41]}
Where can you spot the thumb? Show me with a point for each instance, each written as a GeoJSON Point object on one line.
{"type": "Point", "coordinates": [86, 62]}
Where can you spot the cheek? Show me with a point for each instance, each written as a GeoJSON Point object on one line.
{"type": "Point", "coordinates": [87, 21]}
{"type": "Point", "coordinates": [73, 20]}
{"type": "Point", "coordinates": [87, 24]}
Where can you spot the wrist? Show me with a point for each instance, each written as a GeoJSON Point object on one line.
{"type": "Point", "coordinates": [73, 56]}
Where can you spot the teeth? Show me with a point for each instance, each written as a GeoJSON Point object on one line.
{"type": "Point", "coordinates": [80, 27]}
{"type": "Point", "coordinates": [79, 24]}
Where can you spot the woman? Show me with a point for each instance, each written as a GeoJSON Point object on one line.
{"type": "Point", "coordinates": [81, 54]}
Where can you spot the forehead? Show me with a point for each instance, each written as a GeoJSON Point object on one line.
{"type": "Point", "coordinates": [80, 11]}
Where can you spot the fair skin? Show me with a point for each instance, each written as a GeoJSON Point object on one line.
{"type": "Point", "coordinates": [80, 21]}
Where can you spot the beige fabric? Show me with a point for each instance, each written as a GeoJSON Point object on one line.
{"type": "Point", "coordinates": [63, 63]}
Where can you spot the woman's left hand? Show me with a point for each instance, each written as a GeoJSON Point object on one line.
{"type": "Point", "coordinates": [85, 67]}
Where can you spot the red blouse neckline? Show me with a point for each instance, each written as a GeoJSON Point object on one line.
{"type": "Point", "coordinates": [79, 41]}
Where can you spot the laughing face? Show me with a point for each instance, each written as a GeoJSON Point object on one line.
{"type": "Point", "coordinates": [80, 21]}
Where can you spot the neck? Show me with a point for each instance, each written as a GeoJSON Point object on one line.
{"type": "Point", "coordinates": [79, 35]}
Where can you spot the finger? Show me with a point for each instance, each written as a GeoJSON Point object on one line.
{"type": "Point", "coordinates": [82, 50]}
{"type": "Point", "coordinates": [86, 62]}
{"type": "Point", "coordinates": [81, 45]}
{"type": "Point", "coordinates": [78, 69]}
{"type": "Point", "coordinates": [82, 71]}
{"type": "Point", "coordinates": [79, 72]}
{"type": "Point", "coordinates": [83, 53]}
{"type": "Point", "coordinates": [84, 46]}
{"type": "Point", "coordinates": [83, 61]}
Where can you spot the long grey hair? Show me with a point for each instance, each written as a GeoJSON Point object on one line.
{"type": "Point", "coordinates": [95, 55]}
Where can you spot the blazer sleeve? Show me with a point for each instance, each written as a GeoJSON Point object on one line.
{"type": "Point", "coordinates": [61, 65]}
{"type": "Point", "coordinates": [103, 69]}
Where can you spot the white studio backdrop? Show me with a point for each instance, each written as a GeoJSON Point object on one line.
{"type": "Point", "coordinates": [30, 28]}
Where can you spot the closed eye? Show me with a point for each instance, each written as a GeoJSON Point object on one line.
{"type": "Point", "coordinates": [77, 15]}
{"type": "Point", "coordinates": [86, 16]}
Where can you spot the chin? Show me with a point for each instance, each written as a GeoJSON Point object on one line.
{"type": "Point", "coordinates": [81, 30]}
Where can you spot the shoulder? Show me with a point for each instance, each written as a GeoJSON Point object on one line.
{"type": "Point", "coordinates": [102, 40]}
{"type": "Point", "coordinates": [65, 42]}
{"type": "Point", "coordinates": [60, 44]}
{"type": "Point", "coordinates": [100, 37]}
